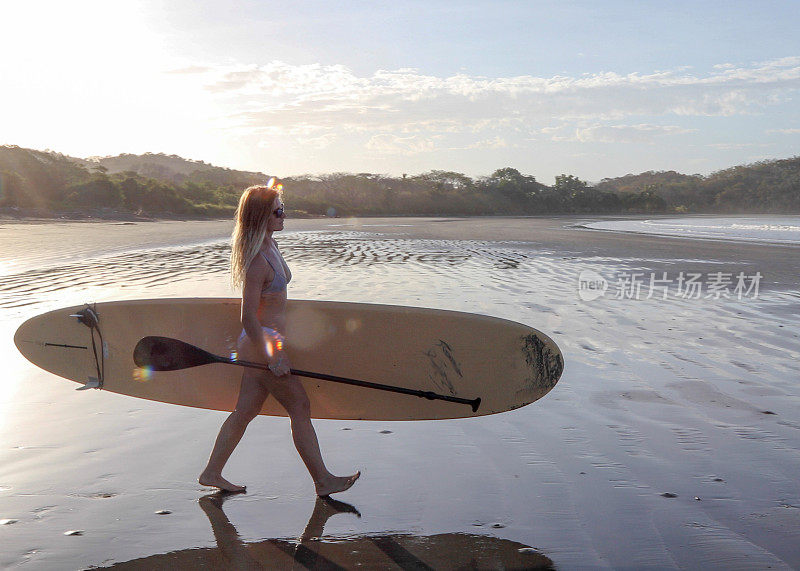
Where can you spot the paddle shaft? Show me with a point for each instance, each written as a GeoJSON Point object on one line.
{"type": "Point", "coordinates": [474, 403]}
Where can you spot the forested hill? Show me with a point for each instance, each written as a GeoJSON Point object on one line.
{"type": "Point", "coordinates": [38, 183]}
{"type": "Point", "coordinates": [173, 169]}
{"type": "Point", "coordinates": [637, 182]}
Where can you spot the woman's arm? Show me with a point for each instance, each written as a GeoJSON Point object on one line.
{"type": "Point", "coordinates": [255, 278]}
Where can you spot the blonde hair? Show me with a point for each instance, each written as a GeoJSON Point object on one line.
{"type": "Point", "coordinates": [252, 218]}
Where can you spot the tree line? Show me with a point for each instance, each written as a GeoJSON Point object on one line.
{"type": "Point", "coordinates": [161, 185]}
{"type": "Point", "coordinates": [42, 183]}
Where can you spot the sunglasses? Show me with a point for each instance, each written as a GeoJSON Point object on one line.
{"type": "Point", "coordinates": [279, 212]}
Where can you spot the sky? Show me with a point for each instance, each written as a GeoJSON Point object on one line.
{"type": "Point", "coordinates": [593, 89]}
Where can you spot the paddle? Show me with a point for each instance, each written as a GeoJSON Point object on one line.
{"type": "Point", "coordinates": [167, 354]}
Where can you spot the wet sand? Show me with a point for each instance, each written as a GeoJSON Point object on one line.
{"type": "Point", "coordinates": [671, 441]}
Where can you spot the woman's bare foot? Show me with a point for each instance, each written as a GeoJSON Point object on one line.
{"type": "Point", "coordinates": [335, 484]}
{"type": "Point", "coordinates": [219, 482]}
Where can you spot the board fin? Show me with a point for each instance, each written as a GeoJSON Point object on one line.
{"type": "Point", "coordinates": [92, 383]}
{"type": "Point", "coordinates": [88, 317]}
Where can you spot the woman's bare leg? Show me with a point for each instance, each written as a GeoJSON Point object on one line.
{"type": "Point", "coordinates": [292, 396]}
{"type": "Point", "coordinates": [252, 395]}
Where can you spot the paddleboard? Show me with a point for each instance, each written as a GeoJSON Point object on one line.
{"type": "Point", "coordinates": [506, 364]}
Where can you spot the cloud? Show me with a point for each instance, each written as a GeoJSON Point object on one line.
{"type": "Point", "coordinates": [406, 112]}
{"type": "Point", "coordinates": [493, 143]}
{"type": "Point", "coordinates": [318, 143]}
{"type": "Point", "coordinates": [314, 92]}
{"type": "Point", "coordinates": [391, 144]}
{"type": "Point", "coordinates": [736, 146]}
{"type": "Point", "coordinates": [785, 131]}
{"type": "Point", "coordinates": [599, 133]}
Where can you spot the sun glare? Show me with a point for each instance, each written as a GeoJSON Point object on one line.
{"type": "Point", "coordinates": [14, 368]}
{"type": "Point", "coordinates": [91, 78]}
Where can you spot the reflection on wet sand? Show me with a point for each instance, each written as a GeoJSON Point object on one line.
{"type": "Point", "coordinates": [313, 551]}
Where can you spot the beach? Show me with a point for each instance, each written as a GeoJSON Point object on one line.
{"type": "Point", "coordinates": [672, 439]}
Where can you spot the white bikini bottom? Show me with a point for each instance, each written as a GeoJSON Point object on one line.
{"type": "Point", "coordinates": [270, 335]}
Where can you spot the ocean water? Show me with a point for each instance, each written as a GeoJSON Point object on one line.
{"type": "Point", "coordinates": [671, 440]}
{"type": "Point", "coordinates": [768, 229]}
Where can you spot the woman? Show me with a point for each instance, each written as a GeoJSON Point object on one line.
{"type": "Point", "coordinates": [258, 266]}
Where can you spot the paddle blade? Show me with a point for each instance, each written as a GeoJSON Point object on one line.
{"type": "Point", "coordinates": [166, 354]}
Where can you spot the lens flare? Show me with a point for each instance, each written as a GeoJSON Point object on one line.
{"type": "Point", "coordinates": [142, 374]}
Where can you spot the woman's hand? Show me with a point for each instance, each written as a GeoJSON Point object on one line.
{"type": "Point", "coordinates": [279, 364]}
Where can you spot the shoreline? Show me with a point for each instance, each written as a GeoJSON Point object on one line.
{"type": "Point", "coordinates": [701, 238]}
{"type": "Point", "coordinates": [41, 217]}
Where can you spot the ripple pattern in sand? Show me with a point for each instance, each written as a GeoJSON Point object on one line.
{"type": "Point", "coordinates": [485, 264]}
{"type": "Point", "coordinates": [140, 268]}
